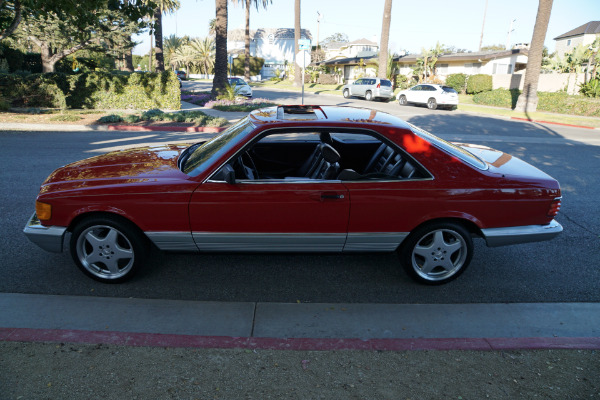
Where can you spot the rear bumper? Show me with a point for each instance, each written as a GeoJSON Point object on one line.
{"type": "Point", "coordinates": [521, 234]}
{"type": "Point", "coordinates": [49, 238]}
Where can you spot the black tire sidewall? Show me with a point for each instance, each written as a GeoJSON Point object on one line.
{"type": "Point", "coordinates": [406, 248]}
{"type": "Point", "coordinates": [130, 231]}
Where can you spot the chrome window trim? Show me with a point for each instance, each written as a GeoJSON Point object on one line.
{"type": "Point", "coordinates": [371, 133]}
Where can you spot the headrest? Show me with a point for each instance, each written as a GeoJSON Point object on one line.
{"type": "Point", "coordinates": [326, 138]}
{"type": "Point", "coordinates": [330, 154]}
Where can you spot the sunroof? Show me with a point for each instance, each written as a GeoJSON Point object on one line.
{"type": "Point", "coordinates": [297, 112]}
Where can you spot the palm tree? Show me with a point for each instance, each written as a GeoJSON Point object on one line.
{"type": "Point", "coordinates": [186, 56]}
{"type": "Point", "coordinates": [247, 32]}
{"type": "Point", "coordinates": [298, 78]}
{"type": "Point", "coordinates": [220, 79]}
{"type": "Point", "coordinates": [204, 50]}
{"type": "Point", "coordinates": [171, 44]}
{"type": "Point", "coordinates": [163, 6]}
{"type": "Point", "coordinates": [385, 38]}
{"type": "Point", "coordinates": [527, 101]}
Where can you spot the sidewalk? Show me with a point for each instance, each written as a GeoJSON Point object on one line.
{"type": "Point", "coordinates": [64, 347]}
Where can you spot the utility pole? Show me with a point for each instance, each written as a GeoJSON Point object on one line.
{"type": "Point", "coordinates": [318, 25]}
{"type": "Point", "coordinates": [483, 25]}
{"type": "Point", "coordinates": [511, 29]}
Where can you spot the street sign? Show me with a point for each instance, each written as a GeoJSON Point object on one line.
{"type": "Point", "coordinates": [303, 58]}
{"type": "Point", "coordinates": [303, 44]}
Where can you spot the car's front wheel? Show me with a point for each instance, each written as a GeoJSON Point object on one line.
{"type": "Point", "coordinates": [437, 253]}
{"type": "Point", "coordinates": [402, 100]}
{"type": "Point", "coordinates": [431, 104]}
{"type": "Point", "coordinates": [346, 93]}
{"type": "Point", "coordinates": [107, 249]}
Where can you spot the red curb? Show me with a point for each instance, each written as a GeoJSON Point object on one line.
{"type": "Point", "coordinates": [554, 123]}
{"type": "Point", "coordinates": [137, 128]}
{"type": "Point", "coordinates": [224, 342]}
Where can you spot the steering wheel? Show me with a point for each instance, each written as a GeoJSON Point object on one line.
{"type": "Point", "coordinates": [247, 166]}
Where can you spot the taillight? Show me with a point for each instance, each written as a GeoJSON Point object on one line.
{"type": "Point", "coordinates": [378, 85]}
{"type": "Point", "coordinates": [554, 207]}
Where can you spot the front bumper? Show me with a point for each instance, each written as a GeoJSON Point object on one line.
{"type": "Point", "coordinates": [49, 238]}
{"type": "Point", "coordinates": [521, 234]}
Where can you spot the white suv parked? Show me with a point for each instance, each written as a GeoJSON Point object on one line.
{"type": "Point", "coordinates": [430, 94]}
{"type": "Point", "coordinates": [369, 88]}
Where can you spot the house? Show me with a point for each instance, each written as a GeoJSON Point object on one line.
{"type": "Point", "coordinates": [358, 48]}
{"type": "Point", "coordinates": [584, 34]}
{"type": "Point", "coordinates": [275, 46]}
{"type": "Point", "coordinates": [487, 62]}
{"type": "Point", "coordinates": [352, 68]}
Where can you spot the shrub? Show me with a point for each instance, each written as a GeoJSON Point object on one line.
{"type": "Point", "coordinates": [591, 89]}
{"type": "Point", "coordinates": [498, 98]}
{"type": "Point", "coordinates": [457, 81]}
{"type": "Point", "coordinates": [112, 118]}
{"type": "Point", "coordinates": [131, 118]}
{"type": "Point", "coordinates": [92, 90]}
{"type": "Point", "coordinates": [256, 64]}
{"type": "Point", "coordinates": [557, 102]}
{"type": "Point", "coordinates": [479, 83]}
{"type": "Point", "coordinates": [327, 79]}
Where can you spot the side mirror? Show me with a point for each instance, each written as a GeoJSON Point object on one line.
{"type": "Point", "coordinates": [226, 174]}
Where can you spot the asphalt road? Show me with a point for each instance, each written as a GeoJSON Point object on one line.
{"type": "Point", "coordinates": [565, 269]}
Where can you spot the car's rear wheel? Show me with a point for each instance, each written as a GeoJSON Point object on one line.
{"type": "Point", "coordinates": [368, 96]}
{"type": "Point", "coordinates": [437, 253]}
{"type": "Point", "coordinates": [346, 93]}
{"type": "Point", "coordinates": [431, 104]}
{"type": "Point", "coordinates": [402, 100]}
{"type": "Point", "coordinates": [107, 249]}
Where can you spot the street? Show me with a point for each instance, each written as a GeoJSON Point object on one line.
{"type": "Point", "coordinates": [562, 270]}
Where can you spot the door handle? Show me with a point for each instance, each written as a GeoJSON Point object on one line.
{"type": "Point", "coordinates": [325, 196]}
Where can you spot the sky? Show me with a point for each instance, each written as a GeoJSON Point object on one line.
{"type": "Point", "coordinates": [414, 24]}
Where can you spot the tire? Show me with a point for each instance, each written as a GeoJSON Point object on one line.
{"type": "Point", "coordinates": [368, 96]}
{"type": "Point", "coordinates": [437, 253]}
{"type": "Point", "coordinates": [431, 103]}
{"type": "Point", "coordinates": [346, 93]}
{"type": "Point", "coordinates": [108, 249]}
{"type": "Point", "coordinates": [402, 100]}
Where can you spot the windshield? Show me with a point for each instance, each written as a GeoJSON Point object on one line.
{"type": "Point", "coordinates": [448, 147]}
{"type": "Point", "coordinates": [448, 89]}
{"type": "Point", "coordinates": [204, 156]}
{"type": "Point", "coordinates": [236, 81]}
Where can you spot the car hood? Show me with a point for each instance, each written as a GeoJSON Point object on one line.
{"type": "Point", "coordinates": [124, 167]}
{"type": "Point", "coordinates": [505, 164]}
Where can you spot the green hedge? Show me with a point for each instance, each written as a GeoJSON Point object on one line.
{"type": "Point", "coordinates": [479, 83]}
{"type": "Point", "coordinates": [256, 64]}
{"type": "Point", "coordinates": [557, 102]}
{"type": "Point", "coordinates": [457, 81]}
{"type": "Point", "coordinates": [92, 90]}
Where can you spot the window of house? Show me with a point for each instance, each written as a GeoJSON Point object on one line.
{"type": "Point", "coordinates": [568, 42]}
{"type": "Point", "coordinates": [271, 38]}
{"type": "Point", "coordinates": [442, 69]}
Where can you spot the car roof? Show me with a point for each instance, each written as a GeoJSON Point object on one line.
{"type": "Point", "coordinates": [329, 114]}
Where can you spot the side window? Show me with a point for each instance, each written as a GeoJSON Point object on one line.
{"type": "Point", "coordinates": [358, 82]}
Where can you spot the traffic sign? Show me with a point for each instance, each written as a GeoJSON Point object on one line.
{"type": "Point", "coordinates": [303, 58]}
{"type": "Point", "coordinates": [303, 44]}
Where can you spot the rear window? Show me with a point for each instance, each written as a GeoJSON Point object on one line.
{"type": "Point", "coordinates": [385, 82]}
{"type": "Point", "coordinates": [448, 89]}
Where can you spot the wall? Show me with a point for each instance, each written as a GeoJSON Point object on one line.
{"type": "Point", "coordinates": [562, 48]}
{"type": "Point", "coordinates": [547, 82]}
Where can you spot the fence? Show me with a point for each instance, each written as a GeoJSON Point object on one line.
{"type": "Point", "coordinates": [547, 82]}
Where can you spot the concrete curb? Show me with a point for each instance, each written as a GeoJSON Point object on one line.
{"type": "Point", "coordinates": [309, 344]}
{"type": "Point", "coordinates": [170, 128]}
{"type": "Point", "coordinates": [553, 123]}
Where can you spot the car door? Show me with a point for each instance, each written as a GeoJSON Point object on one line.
{"type": "Point", "coordinates": [414, 94]}
{"type": "Point", "coordinates": [294, 214]}
{"type": "Point", "coordinates": [358, 88]}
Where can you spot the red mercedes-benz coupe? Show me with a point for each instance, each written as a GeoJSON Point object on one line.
{"type": "Point", "coordinates": [297, 179]}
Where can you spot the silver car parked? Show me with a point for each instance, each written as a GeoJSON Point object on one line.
{"type": "Point", "coordinates": [370, 89]}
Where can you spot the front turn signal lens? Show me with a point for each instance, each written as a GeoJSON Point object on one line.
{"type": "Point", "coordinates": [43, 210]}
